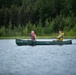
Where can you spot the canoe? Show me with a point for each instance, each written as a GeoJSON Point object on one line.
{"type": "Point", "coordinates": [21, 42]}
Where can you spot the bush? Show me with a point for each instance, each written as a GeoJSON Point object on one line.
{"type": "Point", "coordinates": [3, 31]}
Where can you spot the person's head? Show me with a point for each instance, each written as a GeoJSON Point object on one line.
{"type": "Point", "coordinates": [32, 31]}
{"type": "Point", "coordinates": [60, 31]}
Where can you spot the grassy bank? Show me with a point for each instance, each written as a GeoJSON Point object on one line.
{"type": "Point", "coordinates": [38, 37]}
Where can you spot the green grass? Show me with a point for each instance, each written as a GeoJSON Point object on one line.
{"type": "Point", "coordinates": [38, 37]}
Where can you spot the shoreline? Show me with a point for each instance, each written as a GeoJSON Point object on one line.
{"type": "Point", "coordinates": [38, 37]}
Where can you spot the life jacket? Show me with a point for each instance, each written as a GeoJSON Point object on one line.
{"type": "Point", "coordinates": [33, 36]}
{"type": "Point", "coordinates": [60, 37]}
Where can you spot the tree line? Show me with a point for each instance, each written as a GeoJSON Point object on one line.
{"type": "Point", "coordinates": [19, 17]}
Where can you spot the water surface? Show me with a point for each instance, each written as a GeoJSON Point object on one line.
{"type": "Point", "coordinates": [37, 60]}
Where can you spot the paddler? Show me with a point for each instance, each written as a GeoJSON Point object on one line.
{"type": "Point", "coordinates": [33, 36]}
{"type": "Point", "coordinates": [60, 36]}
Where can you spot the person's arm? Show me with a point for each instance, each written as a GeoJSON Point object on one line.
{"type": "Point", "coordinates": [60, 35]}
{"type": "Point", "coordinates": [35, 37]}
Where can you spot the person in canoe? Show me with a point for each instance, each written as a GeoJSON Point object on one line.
{"type": "Point", "coordinates": [33, 36]}
{"type": "Point", "coordinates": [60, 36]}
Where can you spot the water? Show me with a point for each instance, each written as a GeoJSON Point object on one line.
{"type": "Point", "coordinates": [37, 60]}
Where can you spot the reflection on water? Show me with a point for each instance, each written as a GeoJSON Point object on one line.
{"type": "Point", "coordinates": [37, 60]}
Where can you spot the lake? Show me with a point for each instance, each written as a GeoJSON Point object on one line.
{"type": "Point", "coordinates": [37, 60]}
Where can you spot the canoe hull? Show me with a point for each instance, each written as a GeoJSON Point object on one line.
{"type": "Point", "coordinates": [21, 42]}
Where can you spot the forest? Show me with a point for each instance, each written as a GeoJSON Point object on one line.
{"type": "Point", "coordinates": [45, 17]}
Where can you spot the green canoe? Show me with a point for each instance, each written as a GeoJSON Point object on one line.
{"type": "Point", "coordinates": [21, 42]}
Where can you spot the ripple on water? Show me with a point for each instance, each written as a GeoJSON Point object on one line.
{"type": "Point", "coordinates": [37, 60]}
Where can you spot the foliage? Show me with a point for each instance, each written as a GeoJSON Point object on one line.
{"type": "Point", "coordinates": [45, 17]}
